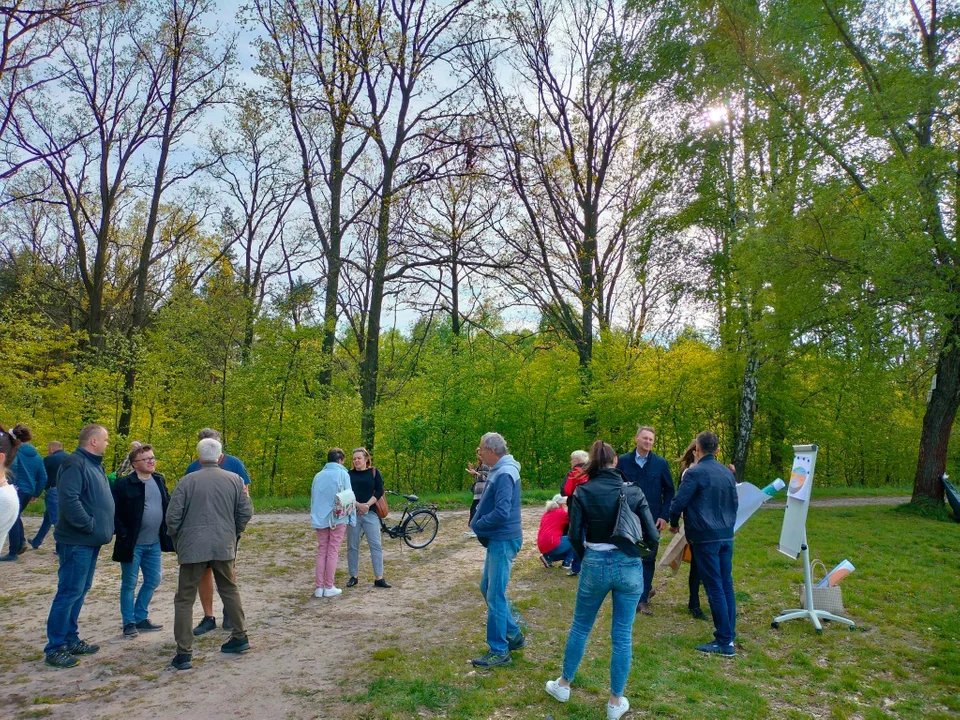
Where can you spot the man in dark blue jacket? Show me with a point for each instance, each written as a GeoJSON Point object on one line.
{"type": "Point", "coordinates": [650, 473]}
{"type": "Point", "coordinates": [707, 499]}
{"type": "Point", "coordinates": [84, 526]}
{"type": "Point", "coordinates": [497, 525]}
{"type": "Point", "coordinates": [51, 463]}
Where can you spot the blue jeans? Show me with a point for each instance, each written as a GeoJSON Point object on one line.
{"type": "Point", "coordinates": [502, 618]}
{"type": "Point", "coordinates": [715, 563]}
{"type": "Point", "coordinates": [600, 574]}
{"type": "Point", "coordinates": [50, 507]}
{"type": "Point", "coordinates": [77, 566]}
{"type": "Point", "coordinates": [146, 559]}
{"type": "Point", "coordinates": [563, 552]}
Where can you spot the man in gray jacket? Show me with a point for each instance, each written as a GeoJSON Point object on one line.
{"type": "Point", "coordinates": [207, 513]}
{"type": "Point", "coordinates": [85, 524]}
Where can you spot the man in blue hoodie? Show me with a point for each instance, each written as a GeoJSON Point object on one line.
{"type": "Point", "coordinates": [497, 525]}
{"type": "Point", "coordinates": [84, 526]}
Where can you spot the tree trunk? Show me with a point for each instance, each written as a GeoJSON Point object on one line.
{"type": "Point", "coordinates": [334, 263]}
{"type": "Point", "coordinates": [370, 368]}
{"type": "Point", "coordinates": [938, 420]}
{"type": "Point", "coordinates": [748, 408]}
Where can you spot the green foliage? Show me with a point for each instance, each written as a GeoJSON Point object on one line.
{"type": "Point", "coordinates": [440, 394]}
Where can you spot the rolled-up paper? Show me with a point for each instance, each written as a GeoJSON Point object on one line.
{"type": "Point", "coordinates": [751, 498]}
{"type": "Point", "coordinates": [837, 574]}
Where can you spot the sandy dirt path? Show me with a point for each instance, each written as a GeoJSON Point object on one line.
{"type": "Point", "coordinates": [302, 647]}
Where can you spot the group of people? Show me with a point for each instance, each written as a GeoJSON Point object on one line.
{"type": "Point", "coordinates": [609, 563]}
{"type": "Point", "coordinates": [202, 521]}
{"type": "Point", "coordinates": [204, 517]}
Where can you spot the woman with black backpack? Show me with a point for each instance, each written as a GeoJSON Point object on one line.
{"type": "Point", "coordinates": [610, 566]}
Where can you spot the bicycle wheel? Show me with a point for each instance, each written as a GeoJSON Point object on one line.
{"type": "Point", "coordinates": [420, 528]}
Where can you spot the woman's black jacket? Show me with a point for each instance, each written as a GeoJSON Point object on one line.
{"type": "Point", "coordinates": [128, 494]}
{"type": "Point", "coordinates": [593, 513]}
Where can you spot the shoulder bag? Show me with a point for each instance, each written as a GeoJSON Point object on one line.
{"type": "Point", "coordinates": [380, 506]}
{"type": "Point", "coordinates": [628, 527]}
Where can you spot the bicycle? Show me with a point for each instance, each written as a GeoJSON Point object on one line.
{"type": "Point", "coordinates": [418, 523]}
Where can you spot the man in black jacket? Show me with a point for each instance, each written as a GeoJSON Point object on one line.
{"type": "Point", "coordinates": [84, 526]}
{"type": "Point", "coordinates": [51, 463]}
{"type": "Point", "coordinates": [141, 500]}
{"type": "Point", "coordinates": [650, 473]}
{"type": "Point", "coordinates": [708, 501]}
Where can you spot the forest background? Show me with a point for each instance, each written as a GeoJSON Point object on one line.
{"type": "Point", "coordinates": [417, 221]}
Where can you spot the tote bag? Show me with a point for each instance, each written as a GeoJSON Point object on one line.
{"type": "Point", "coordinates": [344, 503]}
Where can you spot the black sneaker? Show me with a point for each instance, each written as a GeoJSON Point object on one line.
{"type": "Point", "coordinates": [697, 614]}
{"type": "Point", "coordinates": [492, 659]}
{"type": "Point", "coordinates": [715, 648]}
{"type": "Point", "coordinates": [8, 558]}
{"type": "Point", "coordinates": [381, 583]}
{"type": "Point", "coordinates": [181, 661]}
{"type": "Point", "coordinates": [61, 659]}
{"type": "Point", "coordinates": [352, 581]}
{"type": "Point", "coordinates": [235, 645]}
{"type": "Point", "coordinates": [82, 647]}
{"type": "Point", "coordinates": [208, 623]}
{"type": "Point", "coordinates": [226, 625]}
{"type": "Point", "coordinates": [148, 626]}
{"type": "Point", "coordinates": [130, 630]}
{"type": "Point", "coordinates": [517, 641]}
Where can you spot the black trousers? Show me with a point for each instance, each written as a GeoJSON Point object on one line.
{"type": "Point", "coordinates": [694, 584]}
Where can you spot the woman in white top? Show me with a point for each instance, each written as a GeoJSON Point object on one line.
{"type": "Point", "coordinates": [9, 502]}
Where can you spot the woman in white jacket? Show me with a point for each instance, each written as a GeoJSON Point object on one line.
{"type": "Point", "coordinates": [329, 526]}
{"type": "Point", "coordinates": [9, 502]}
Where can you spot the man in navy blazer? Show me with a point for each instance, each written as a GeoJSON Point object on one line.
{"type": "Point", "coordinates": [651, 473]}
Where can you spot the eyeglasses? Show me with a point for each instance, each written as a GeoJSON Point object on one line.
{"type": "Point", "coordinates": [149, 459]}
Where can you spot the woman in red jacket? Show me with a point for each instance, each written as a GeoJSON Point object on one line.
{"type": "Point", "coordinates": [552, 539]}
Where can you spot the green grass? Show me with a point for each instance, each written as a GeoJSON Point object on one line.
{"type": "Point", "coordinates": [902, 660]}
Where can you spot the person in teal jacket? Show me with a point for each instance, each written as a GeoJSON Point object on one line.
{"type": "Point", "coordinates": [30, 478]}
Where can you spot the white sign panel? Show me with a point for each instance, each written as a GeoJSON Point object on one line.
{"type": "Point", "coordinates": [798, 500]}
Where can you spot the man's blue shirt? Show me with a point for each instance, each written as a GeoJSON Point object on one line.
{"type": "Point", "coordinates": [230, 464]}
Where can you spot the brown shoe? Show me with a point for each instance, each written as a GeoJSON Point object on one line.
{"type": "Point", "coordinates": [644, 608]}
{"type": "Point", "coordinates": [653, 591]}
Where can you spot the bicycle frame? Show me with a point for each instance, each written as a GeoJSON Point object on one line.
{"type": "Point", "coordinates": [409, 509]}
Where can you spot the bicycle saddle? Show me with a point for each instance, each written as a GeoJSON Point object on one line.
{"type": "Point", "coordinates": [411, 498]}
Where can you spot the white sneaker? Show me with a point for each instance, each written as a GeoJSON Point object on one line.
{"type": "Point", "coordinates": [470, 533]}
{"type": "Point", "coordinates": [332, 592]}
{"type": "Point", "coordinates": [558, 691]}
{"type": "Point", "coordinates": [318, 592]}
{"type": "Point", "coordinates": [617, 712]}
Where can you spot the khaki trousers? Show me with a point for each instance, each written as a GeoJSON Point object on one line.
{"type": "Point", "coordinates": [186, 598]}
